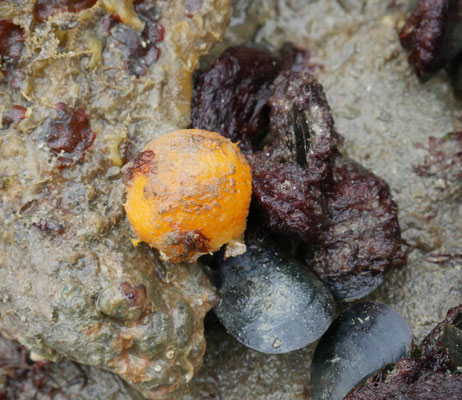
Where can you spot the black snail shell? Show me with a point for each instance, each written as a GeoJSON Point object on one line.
{"type": "Point", "coordinates": [365, 338]}
{"type": "Point", "coordinates": [271, 303]}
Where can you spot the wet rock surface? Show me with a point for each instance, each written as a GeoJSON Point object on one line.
{"type": "Point", "coordinates": [21, 378]}
{"type": "Point", "coordinates": [72, 283]}
{"type": "Point", "coordinates": [383, 112]}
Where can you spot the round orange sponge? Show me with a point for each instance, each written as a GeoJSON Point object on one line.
{"type": "Point", "coordinates": [188, 194]}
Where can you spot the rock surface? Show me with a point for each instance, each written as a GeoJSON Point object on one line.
{"type": "Point", "coordinates": [96, 82]}
{"type": "Point", "coordinates": [383, 112]}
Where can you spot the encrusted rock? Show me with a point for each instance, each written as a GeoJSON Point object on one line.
{"type": "Point", "coordinates": [77, 287]}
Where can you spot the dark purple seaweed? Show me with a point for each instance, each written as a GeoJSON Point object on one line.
{"type": "Point", "coordinates": [231, 97]}
{"type": "Point", "coordinates": [363, 239]}
{"type": "Point", "coordinates": [302, 186]}
{"type": "Point", "coordinates": [433, 35]}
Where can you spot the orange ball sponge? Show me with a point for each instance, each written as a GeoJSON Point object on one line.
{"type": "Point", "coordinates": [188, 194]}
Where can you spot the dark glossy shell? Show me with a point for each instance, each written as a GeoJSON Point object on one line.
{"type": "Point", "coordinates": [270, 302]}
{"type": "Point", "coordinates": [355, 286]}
{"type": "Point", "coordinates": [364, 339]}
